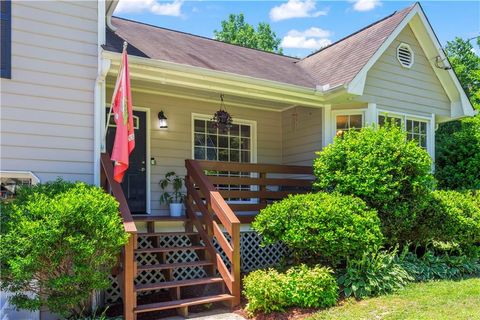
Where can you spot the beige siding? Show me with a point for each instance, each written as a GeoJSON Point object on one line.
{"type": "Point", "coordinates": [171, 147]}
{"type": "Point", "coordinates": [416, 90]}
{"type": "Point", "coordinates": [47, 106]}
{"type": "Point", "coordinates": [302, 135]}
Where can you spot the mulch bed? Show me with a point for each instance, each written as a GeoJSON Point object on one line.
{"type": "Point", "coordinates": [289, 314]}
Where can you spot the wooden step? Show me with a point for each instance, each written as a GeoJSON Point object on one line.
{"type": "Point", "coordinates": [176, 284]}
{"type": "Point", "coordinates": [148, 217]}
{"type": "Point", "coordinates": [181, 303]}
{"type": "Point", "coordinates": [168, 249]}
{"type": "Point", "coordinates": [174, 265]}
{"type": "Point", "coordinates": [166, 234]}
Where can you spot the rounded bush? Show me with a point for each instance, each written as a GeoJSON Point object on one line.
{"type": "Point", "coordinates": [328, 226]}
{"type": "Point", "coordinates": [59, 241]}
{"type": "Point", "coordinates": [311, 287]}
{"type": "Point", "coordinates": [265, 291]}
{"type": "Point", "coordinates": [301, 286]}
{"type": "Point", "coordinates": [457, 164]}
{"type": "Point", "coordinates": [381, 167]}
{"type": "Point", "coordinates": [448, 216]}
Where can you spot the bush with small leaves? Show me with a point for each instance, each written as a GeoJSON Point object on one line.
{"type": "Point", "coordinates": [311, 287]}
{"type": "Point", "coordinates": [383, 168]}
{"type": "Point", "coordinates": [330, 227]}
{"type": "Point", "coordinates": [59, 241]}
{"type": "Point", "coordinates": [265, 291]}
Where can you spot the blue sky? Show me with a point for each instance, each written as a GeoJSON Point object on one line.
{"type": "Point", "coordinates": [303, 25]}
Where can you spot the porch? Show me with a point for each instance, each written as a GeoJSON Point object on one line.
{"type": "Point", "coordinates": [204, 253]}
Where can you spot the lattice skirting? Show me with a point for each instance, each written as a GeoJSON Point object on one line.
{"type": "Point", "coordinates": [253, 256]}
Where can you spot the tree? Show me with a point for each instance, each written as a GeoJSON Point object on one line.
{"type": "Point", "coordinates": [466, 64]}
{"type": "Point", "coordinates": [236, 31]}
{"type": "Point", "coordinates": [458, 142]}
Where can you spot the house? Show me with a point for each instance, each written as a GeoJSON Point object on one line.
{"type": "Point", "coordinates": [59, 64]}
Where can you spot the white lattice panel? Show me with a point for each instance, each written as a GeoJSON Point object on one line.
{"type": "Point", "coordinates": [253, 256]}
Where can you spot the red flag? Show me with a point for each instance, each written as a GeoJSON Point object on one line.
{"type": "Point", "coordinates": [122, 111]}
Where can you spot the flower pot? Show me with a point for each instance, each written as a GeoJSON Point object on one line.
{"type": "Point", "coordinates": [176, 209]}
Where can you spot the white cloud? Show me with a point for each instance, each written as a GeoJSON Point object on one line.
{"type": "Point", "coordinates": [366, 5]}
{"type": "Point", "coordinates": [312, 38]}
{"type": "Point", "coordinates": [162, 9]}
{"type": "Point", "coordinates": [296, 9]}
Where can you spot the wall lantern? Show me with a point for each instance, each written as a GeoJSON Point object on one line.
{"type": "Point", "coordinates": [162, 120]}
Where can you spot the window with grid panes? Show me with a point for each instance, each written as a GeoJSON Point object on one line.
{"type": "Point", "coordinates": [234, 145]}
{"type": "Point", "coordinates": [347, 122]}
{"type": "Point", "coordinates": [417, 130]}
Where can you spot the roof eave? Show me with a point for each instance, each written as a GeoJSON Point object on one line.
{"type": "Point", "coordinates": [220, 81]}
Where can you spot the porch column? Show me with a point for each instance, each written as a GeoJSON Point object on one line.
{"type": "Point", "coordinates": [371, 114]}
{"type": "Point", "coordinates": [327, 125]}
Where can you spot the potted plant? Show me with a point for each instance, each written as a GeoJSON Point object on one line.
{"type": "Point", "coordinates": [175, 198]}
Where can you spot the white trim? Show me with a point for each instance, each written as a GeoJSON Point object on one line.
{"type": "Point", "coordinates": [251, 123]}
{"type": "Point", "coordinates": [408, 116]}
{"type": "Point", "coordinates": [148, 154]}
{"type": "Point", "coordinates": [346, 112]}
{"type": "Point", "coordinates": [327, 137]}
{"type": "Point", "coordinates": [412, 55]}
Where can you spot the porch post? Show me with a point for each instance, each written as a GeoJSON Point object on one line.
{"type": "Point", "coordinates": [327, 125]}
{"type": "Point", "coordinates": [371, 114]}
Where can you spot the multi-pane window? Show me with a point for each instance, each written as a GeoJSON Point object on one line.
{"type": "Point", "coordinates": [233, 145]}
{"type": "Point", "coordinates": [347, 122]}
{"type": "Point", "coordinates": [417, 130]}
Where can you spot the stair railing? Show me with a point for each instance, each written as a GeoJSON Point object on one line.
{"type": "Point", "coordinates": [128, 256]}
{"type": "Point", "coordinates": [202, 196]}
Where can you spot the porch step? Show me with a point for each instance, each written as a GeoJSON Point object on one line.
{"type": "Point", "coordinates": [168, 249]}
{"type": "Point", "coordinates": [149, 218]}
{"type": "Point", "coordinates": [182, 303]}
{"type": "Point", "coordinates": [176, 284]}
{"type": "Point", "coordinates": [174, 265]}
{"type": "Point", "coordinates": [166, 234]}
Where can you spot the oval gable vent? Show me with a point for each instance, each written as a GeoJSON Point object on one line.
{"type": "Point", "coordinates": [405, 55]}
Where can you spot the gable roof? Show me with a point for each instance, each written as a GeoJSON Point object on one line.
{"type": "Point", "coordinates": [334, 65]}
{"type": "Point", "coordinates": [338, 63]}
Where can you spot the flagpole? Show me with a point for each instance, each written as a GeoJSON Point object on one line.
{"type": "Point", "coordinates": [125, 44]}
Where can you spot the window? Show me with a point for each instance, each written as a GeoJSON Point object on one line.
{"type": "Point", "coordinates": [10, 181]}
{"type": "Point", "coordinates": [345, 120]}
{"type": "Point", "coordinates": [6, 43]}
{"type": "Point", "coordinates": [234, 145]}
{"type": "Point", "coordinates": [415, 128]}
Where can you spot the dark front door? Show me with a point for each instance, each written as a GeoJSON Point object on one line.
{"type": "Point", "coordinates": [134, 183]}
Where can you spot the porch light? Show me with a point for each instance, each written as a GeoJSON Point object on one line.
{"type": "Point", "coordinates": [162, 120]}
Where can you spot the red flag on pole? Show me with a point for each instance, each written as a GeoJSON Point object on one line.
{"type": "Point", "coordinates": [124, 141]}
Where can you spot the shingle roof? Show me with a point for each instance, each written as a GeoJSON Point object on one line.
{"type": "Point", "coordinates": [335, 65]}
{"type": "Point", "coordinates": [340, 62]}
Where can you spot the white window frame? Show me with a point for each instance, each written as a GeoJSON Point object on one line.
{"type": "Point", "coordinates": [251, 123]}
{"type": "Point", "coordinates": [346, 112]}
{"type": "Point", "coordinates": [407, 116]}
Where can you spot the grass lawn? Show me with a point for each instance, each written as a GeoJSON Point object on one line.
{"type": "Point", "coordinates": [432, 300]}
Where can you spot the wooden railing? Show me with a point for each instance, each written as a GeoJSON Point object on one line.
{"type": "Point", "coordinates": [128, 255]}
{"type": "Point", "coordinates": [210, 183]}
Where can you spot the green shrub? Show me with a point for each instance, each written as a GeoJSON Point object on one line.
{"type": "Point", "coordinates": [381, 167]}
{"type": "Point", "coordinates": [457, 164]}
{"type": "Point", "coordinates": [265, 291]}
{"type": "Point", "coordinates": [448, 216]}
{"type": "Point", "coordinates": [301, 286]}
{"type": "Point", "coordinates": [59, 241]}
{"type": "Point", "coordinates": [374, 274]}
{"type": "Point", "coordinates": [440, 267]}
{"type": "Point", "coordinates": [311, 287]}
{"type": "Point", "coordinates": [330, 226]}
